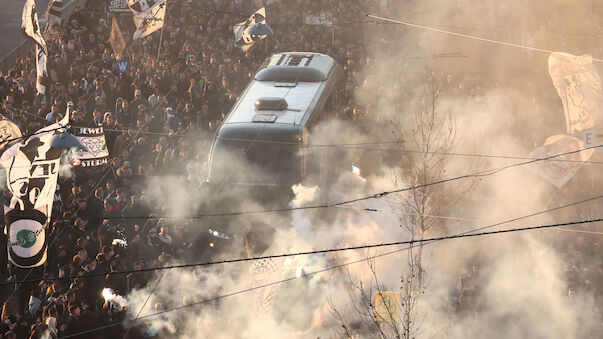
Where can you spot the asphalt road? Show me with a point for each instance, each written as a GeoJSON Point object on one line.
{"type": "Point", "coordinates": [10, 23]}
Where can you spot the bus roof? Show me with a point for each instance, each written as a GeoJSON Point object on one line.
{"type": "Point", "coordinates": [284, 72]}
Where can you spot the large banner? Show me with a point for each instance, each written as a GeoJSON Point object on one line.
{"type": "Point", "coordinates": [579, 86]}
{"type": "Point", "coordinates": [93, 150]}
{"type": "Point", "coordinates": [32, 169]}
{"type": "Point", "coordinates": [243, 37]}
{"type": "Point", "coordinates": [559, 170]}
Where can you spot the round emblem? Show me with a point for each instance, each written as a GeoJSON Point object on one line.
{"type": "Point", "coordinates": [26, 238]}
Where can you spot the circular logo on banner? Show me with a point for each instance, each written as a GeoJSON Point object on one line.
{"type": "Point", "coordinates": [23, 237]}
{"type": "Point", "coordinates": [26, 238]}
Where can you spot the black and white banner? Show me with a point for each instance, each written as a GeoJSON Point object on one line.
{"type": "Point", "coordinates": [53, 14]}
{"type": "Point", "coordinates": [138, 6]}
{"type": "Point", "coordinates": [32, 169]}
{"type": "Point", "coordinates": [149, 16]}
{"type": "Point", "coordinates": [243, 37]}
{"type": "Point", "coordinates": [560, 169]}
{"type": "Point", "coordinates": [31, 29]}
{"type": "Point", "coordinates": [42, 78]}
{"type": "Point", "coordinates": [93, 150]}
{"type": "Point", "coordinates": [30, 25]}
{"type": "Point", "coordinates": [579, 86]}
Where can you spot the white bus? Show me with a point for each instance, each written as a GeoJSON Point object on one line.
{"type": "Point", "coordinates": [261, 141]}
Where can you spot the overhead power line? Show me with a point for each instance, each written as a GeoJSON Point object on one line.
{"type": "Point", "coordinates": [498, 42]}
{"type": "Point", "coordinates": [344, 202]}
{"type": "Point", "coordinates": [385, 193]}
{"type": "Point", "coordinates": [359, 146]}
{"type": "Point", "coordinates": [412, 244]}
{"type": "Point", "coordinates": [324, 251]}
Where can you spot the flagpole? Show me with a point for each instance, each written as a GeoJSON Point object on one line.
{"type": "Point", "coordinates": [160, 39]}
{"type": "Point", "coordinates": [161, 34]}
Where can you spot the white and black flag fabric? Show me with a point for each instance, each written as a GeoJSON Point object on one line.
{"type": "Point", "coordinates": [138, 6]}
{"type": "Point", "coordinates": [31, 29]}
{"type": "Point", "coordinates": [149, 16]}
{"type": "Point", "coordinates": [42, 78]}
{"type": "Point", "coordinates": [53, 14]}
{"type": "Point", "coordinates": [32, 169]}
{"type": "Point", "coordinates": [243, 37]}
{"type": "Point", "coordinates": [579, 86]}
{"type": "Point", "coordinates": [30, 25]}
{"type": "Point", "coordinates": [93, 146]}
{"type": "Point", "coordinates": [560, 169]}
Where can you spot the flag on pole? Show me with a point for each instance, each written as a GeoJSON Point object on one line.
{"type": "Point", "coordinates": [243, 37]}
{"type": "Point", "coordinates": [150, 19]}
{"type": "Point", "coordinates": [138, 6]}
{"type": "Point", "coordinates": [53, 14]}
{"type": "Point", "coordinates": [116, 40]}
{"type": "Point", "coordinates": [559, 170]}
{"type": "Point", "coordinates": [31, 29]}
{"type": "Point", "coordinates": [30, 25]}
{"type": "Point", "coordinates": [42, 78]}
{"type": "Point", "coordinates": [32, 169]}
{"type": "Point", "coordinates": [579, 86]}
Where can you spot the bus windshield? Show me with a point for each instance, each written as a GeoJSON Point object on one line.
{"type": "Point", "coordinates": [261, 163]}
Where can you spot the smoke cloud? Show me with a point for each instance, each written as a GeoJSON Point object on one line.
{"type": "Point", "coordinates": [502, 103]}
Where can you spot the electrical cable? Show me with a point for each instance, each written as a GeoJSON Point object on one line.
{"type": "Point", "coordinates": [379, 195]}
{"type": "Point", "coordinates": [312, 252]}
{"type": "Point", "coordinates": [466, 35]}
{"type": "Point", "coordinates": [412, 243]}
{"type": "Point", "coordinates": [385, 193]}
{"type": "Point", "coordinates": [360, 146]}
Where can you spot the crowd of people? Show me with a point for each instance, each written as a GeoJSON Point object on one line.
{"type": "Point", "coordinates": [103, 219]}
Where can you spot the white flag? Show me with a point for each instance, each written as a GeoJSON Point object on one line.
{"type": "Point", "coordinates": [31, 29]}
{"type": "Point", "coordinates": [42, 78]}
{"type": "Point", "coordinates": [559, 170]}
{"type": "Point", "coordinates": [32, 169]}
{"type": "Point", "coordinates": [243, 38]}
{"type": "Point", "coordinates": [579, 86]}
{"type": "Point", "coordinates": [53, 14]}
{"type": "Point", "coordinates": [30, 25]}
{"type": "Point", "coordinates": [149, 20]}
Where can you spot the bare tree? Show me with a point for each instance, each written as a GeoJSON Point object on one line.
{"type": "Point", "coordinates": [428, 138]}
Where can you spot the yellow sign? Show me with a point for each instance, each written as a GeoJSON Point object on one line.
{"type": "Point", "coordinates": [387, 306]}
